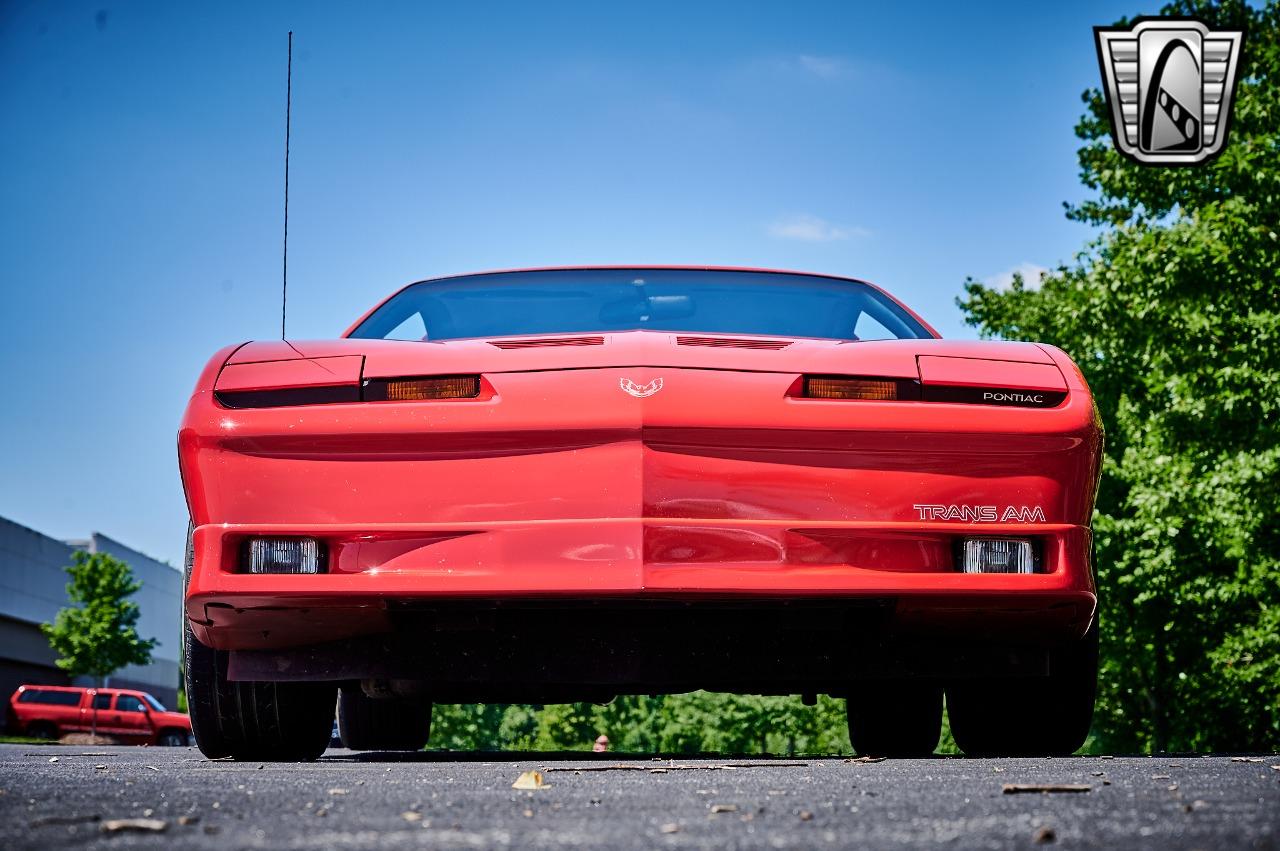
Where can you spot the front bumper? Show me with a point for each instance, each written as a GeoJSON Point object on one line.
{"type": "Point", "coordinates": [377, 570]}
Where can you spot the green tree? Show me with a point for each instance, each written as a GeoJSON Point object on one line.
{"type": "Point", "coordinates": [470, 726]}
{"type": "Point", "coordinates": [97, 635]}
{"type": "Point", "coordinates": [699, 722]}
{"type": "Point", "coordinates": [1173, 314]}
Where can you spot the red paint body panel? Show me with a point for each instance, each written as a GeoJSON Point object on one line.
{"type": "Point", "coordinates": [286, 374]}
{"type": "Point", "coordinates": [972, 372]}
{"type": "Point", "coordinates": [556, 483]}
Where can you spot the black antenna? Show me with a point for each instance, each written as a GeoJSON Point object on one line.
{"type": "Point", "coordinates": [288, 117]}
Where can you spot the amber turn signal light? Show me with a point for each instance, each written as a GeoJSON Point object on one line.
{"type": "Point", "coordinates": [873, 389]}
{"type": "Point", "coordinates": [424, 389]}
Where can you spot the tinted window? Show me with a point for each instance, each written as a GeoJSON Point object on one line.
{"type": "Point", "coordinates": [600, 300]}
{"type": "Point", "coordinates": [53, 698]}
{"type": "Point", "coordinates": [155, 704]}
{"type": "Point", "coordinates": [128, 703]}
{"type": "Point", "coordinates": [102, 701]}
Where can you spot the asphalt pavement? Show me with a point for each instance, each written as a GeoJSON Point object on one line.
{"type": "Point", "coordinates": [115, 797]}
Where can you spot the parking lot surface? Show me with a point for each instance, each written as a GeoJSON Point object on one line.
{"type": "Point", "coordinates": [69, 796]}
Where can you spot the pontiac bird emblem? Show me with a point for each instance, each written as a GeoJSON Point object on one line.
{"type": "Point", "coordinates": [1169, 84]}
{"type": "Point", "coordinates": [641, 390]}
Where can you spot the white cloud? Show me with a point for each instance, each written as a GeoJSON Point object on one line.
{"type": "Point", "coordinates": [827, 72]}
{"type": "Point", "coordinates": [1031, 274]}
{"type": "Point", "coordinates": [823, 66]}
{"type": "Point", "coordinates": [807, 228]}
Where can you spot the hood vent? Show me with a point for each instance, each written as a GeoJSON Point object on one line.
{"type": "Point", "coordinates": [547, 341]}
{"type": "Point", "coordinates": [732, 343]}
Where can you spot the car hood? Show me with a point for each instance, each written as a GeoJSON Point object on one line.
{"type": "Point", "coordinates": [393, 358]}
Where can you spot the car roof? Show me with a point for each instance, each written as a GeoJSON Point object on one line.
{"type": "Point", "coordinates": [98, 689]}
{"type": "Point", "coordinates": [611, 267]}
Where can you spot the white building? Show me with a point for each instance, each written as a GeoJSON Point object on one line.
{"type": "Point", "coordinates": [33, 583]}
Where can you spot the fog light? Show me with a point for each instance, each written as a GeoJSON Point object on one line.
{"type": "Point", "coordinates": [997, 555]}
{"type": "Point", "coordinates": [284, 555]}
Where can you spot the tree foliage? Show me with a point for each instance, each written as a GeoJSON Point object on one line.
{"type": "Point", "coordinates": [1173, 313]}
{"type": "Point", "coordinates": [98, 634]}
{"type": "Point", "coordinates": [694, 723]}
{"type": "Point", "coordinates": [699, 722]}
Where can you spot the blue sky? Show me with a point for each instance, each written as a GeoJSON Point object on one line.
{"type": "Point", "coordinates": [141, 170]}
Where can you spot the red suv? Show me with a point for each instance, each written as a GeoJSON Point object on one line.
{"type": "Point", "coordinates": [47, 712]}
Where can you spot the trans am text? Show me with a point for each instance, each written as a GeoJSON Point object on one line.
{"type": "Point", "coordinates": [982, 513]}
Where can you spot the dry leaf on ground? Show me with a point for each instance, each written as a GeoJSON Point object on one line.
{"type": "Point", "coordinates": [529, 780]}
{"type": "Point", "coordinates": [139, 825]}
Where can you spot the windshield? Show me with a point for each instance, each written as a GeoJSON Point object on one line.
{"type": "Point", "coordinates": [155, 704]}
{"type": "Point", "coordinates": [511, 304]}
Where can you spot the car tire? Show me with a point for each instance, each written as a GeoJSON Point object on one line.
{"type": "Point", "coordinates": [267, 721]}
{"type": "Point", "coordinates": [42, 730]}
{"type": "Point", "coordinates": [382, 724]}
{"type": "Point", "coordinates": [899, 718]}
{"type": "Point", "coordinates": [1044, 716]}
{"type": "Point", "coordinates": [172, 739]}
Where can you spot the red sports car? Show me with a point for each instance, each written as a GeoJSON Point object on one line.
{"type": "Point", "coordinates": [567, 484]}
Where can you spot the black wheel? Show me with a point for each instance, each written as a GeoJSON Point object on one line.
{"type": "Point", "coordinates": [895, 718]}
{"type": "Point", "coordinates": [1044, 716]}
{"type": "Point", "coordinates": [284, 722]}
{"type": "Point", "coordinates": [172, 739]}
{"type": "Point", "coordinates": [42, 730]}
{"type": "Point", "coordinates": [386, 724]}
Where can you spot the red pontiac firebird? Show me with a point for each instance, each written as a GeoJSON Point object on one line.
{"type": "Point", "coordinates": [568, 484]}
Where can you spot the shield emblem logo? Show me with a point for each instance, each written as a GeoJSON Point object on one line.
{"type": "Point", "coordinates": [1169, 85]}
